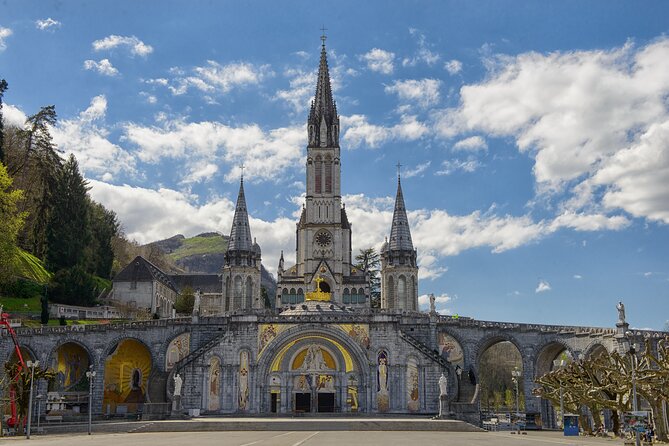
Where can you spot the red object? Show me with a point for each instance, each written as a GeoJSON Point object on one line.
{"type": "Point", "coordinates": [13, 419]}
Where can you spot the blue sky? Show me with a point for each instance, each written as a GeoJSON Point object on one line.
{"type": "Point", "coordinates": [534, 136]}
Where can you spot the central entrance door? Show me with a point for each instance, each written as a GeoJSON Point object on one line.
{"type": "Point", "coordinates": [326, 402]}
{"type": "Point", "coordinates": [303, 402]}
{"type": "Point", "coordinates": [273, 402]}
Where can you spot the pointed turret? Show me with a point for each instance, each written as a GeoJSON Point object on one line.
{"type": "Point", "coordinates": [323, 122]}
{"type": "Point", "coordinates": [400, 235]}
{"type": "Point", "coordinates": [240, 234]}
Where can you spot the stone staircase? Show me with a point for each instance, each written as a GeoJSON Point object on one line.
{"type": "Point", "coordinates": [427, 351]}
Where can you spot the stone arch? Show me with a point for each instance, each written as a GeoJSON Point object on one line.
{"type": "Point", "coordinates": [27, 353]}
{"type": "Point", "coordinates": [127, 371]}
{"type": "Point", "coordinates": [111, 346]}
{"type": "Point", "coordinates": [65, 359]}
{"type": "Point", "coordinates": [165, 348]}
{"type": "Point", "coordinates": [546, 353]}
{"type": "Point", "coordinates": [595, 348]}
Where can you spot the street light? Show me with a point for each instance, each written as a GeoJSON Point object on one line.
{"type": "Point", "coordinates": [631, 350]}
{"type": "Point", "coordinates": [515, 377]}
{"type": "Point", "coordinates": [558, 364]}
{"type": "Point", "coordinates": [31, 365]}
{"type": "Point", "coordinates": [90, 374]}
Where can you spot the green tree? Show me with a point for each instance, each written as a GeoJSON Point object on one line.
{"type": "Point", "coordinates": [369, 261]}
{"type": "Point", "coordinates": [104, 227]}
{"type": "Point", "coordinates": [20, 377]}
{"type": "Point", "coordinates": [44, 315]}
{"type": "Point", "coordinates": [3, 88]}
{"type": "Point", "coordinates": [73, 286]}
{"type": "Point", "coordinates": [12, 220]}
{"type": "Point", "coordinates": [509, 400]}
{"type": "Point", "coordinates": [68, 233]}
{"type": "Point", "coordinates": [185, 301]}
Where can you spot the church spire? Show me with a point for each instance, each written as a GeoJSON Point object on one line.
{"type": "Point", "coordinates": [240, 234]}
{"type": "Point", "coordinates": [400, 235]}
{"type": "Point", "coordinates": [323, 121]}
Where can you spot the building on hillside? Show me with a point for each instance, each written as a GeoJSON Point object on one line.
{"type": "Point", "coordinates": [76, 312]}
{"type": "Point", "coordinates": [143, 285]}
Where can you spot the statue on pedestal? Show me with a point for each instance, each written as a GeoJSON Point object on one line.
{"type": "Point", "coordinates": [621, 312]}
{"type": "Point", "coordinates": [196, 303]}
{"type": "Point", "coordinates": [433, 308]}
{"type": "Point", "coordinates": [178, 382]}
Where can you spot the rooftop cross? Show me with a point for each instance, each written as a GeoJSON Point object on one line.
{"type": "Point", "coordinates": [398, 169]}
{"type": "Point", "coordinates": [323, 36]}
{"type": "Point", "coordinates": [242, 167]}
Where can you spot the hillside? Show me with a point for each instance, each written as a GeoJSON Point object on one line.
{"type": "Point", "coordinates": [204, 253]}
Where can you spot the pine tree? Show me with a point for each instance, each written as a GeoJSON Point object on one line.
{"type": "Point", "coordinates": [3, 88]}
{"type": "Point", "coordinates": [104, 227]}
{"type": "Point", "coordinates": [369, 261]}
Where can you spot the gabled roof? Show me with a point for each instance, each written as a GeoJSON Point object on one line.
{"type": "Point", "coordinates": [141, 270]}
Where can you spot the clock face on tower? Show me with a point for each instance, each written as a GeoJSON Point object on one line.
{"type": "Point", "coordinates": [323, 238]}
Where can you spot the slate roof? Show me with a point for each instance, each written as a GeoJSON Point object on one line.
{"type": "Point", "coordinates": [141, 270]}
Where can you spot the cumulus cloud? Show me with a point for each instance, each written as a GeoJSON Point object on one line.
{"type": "Point", "coordinates": [104, 67]}
{"type": "Point", "coordinates": [471, 144]}
{"type": "Point", "coordinates": [47, 24]}
{"type": "Point", "coordinates": [379, 60]}
{"type": "Point", "coordinates": [87, 138]}
{"type": "Point", "coordinates": [136, 46]}
{"type": "Point", "coordinates": [424, 92]}
{"type": "Point", "coordinates": [595, 122]}
{"type": "Point", "coordinates": [360, 131]}
{"type": "Point", "coordinates": [542, 287]}
{"type": "Point", "coordinates": [453, 66]}
{"type": "Point", "coordinates": [4, 33]}
{"type": "Point", "coordinates": [267, 154]}
{"type": "Point", "coordinates": [13, 116]}
{"type": "Point", "coordinates": [214, 78]}
{"type": "Point", "coordinates": [439, 301]}
{"type": "Point", "coordinates": [301, 89]}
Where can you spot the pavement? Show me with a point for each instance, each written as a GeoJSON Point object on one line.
{"type": "Point", "coordinates": [315, 438]}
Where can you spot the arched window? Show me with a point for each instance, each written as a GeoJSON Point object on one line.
{"type": "Point", "coordinates": [300, 295]}
{"type": "Point", "coordinates": [249, 293]}
{"type": "Point", "coordinates": [347, 296]}
{"type": "Point", "coordinates": [238, 293]}
{"type": "Point", "coordinates": [227, 294]}
{"type": "Point", "coordinates": [318, 177]}
{"type": "Point", "coordinates": [285, 297]}
{"type": "Point", "coordinates": [402, 293]}
{"type": "Point", "coordinates": [390, 293]}
{"type": "Point", "coordinates": [293, 296]}
{"type": "Point", "coordinates": [328, 175]}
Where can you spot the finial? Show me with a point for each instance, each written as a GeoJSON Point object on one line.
{"type": "Point", "coordinates": [399, 166]}
{"type": "Point", "coordinates": [323, 36]}
{"type": "Point", "coordinates": [242, 167]}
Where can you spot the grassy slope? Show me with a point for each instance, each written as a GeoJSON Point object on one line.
{"type": "Point", "coordinates": [198, 246]}
{"type": "Point", "coordinates": [16, 304]}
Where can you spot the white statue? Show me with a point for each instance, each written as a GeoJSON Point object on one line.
{"type": "Point", "coordinates": [196, 303]}
{"type": "Point", "coordinates": [443, 385]}
{"type": "Point", "coordinates": [178, 382]}
{"type": "Point", "coordinates": [621, 312]}
{"type": "Point", "coordinates": [433, 309]}
{"type": "Point", "coordinates": [314, 360]}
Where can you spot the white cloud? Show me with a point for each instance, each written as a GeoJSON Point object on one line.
{"type": "Point", "coordinates": [453, 66]}
{"type": "Point", "coordinates": [359, 131]}
{"type": "Point", "coordinates": [424, 300]}
{"type": "Point", "coordinates": [136, 46]}
{"type": "Point", "coordinates": [301, 89]}
{"type": "Point", "coordinates": [47, 24]}
{"type": "Point", "coordinates": [416, 170]}
{"type": "Point", "coordinates": [214, 78]}
{"type": "Point", "coordinates": [86, 137]}
{"type": "Point", "coordinates": [543, 286]}
{"type": "Point", "coordinates": [424, 92]}
{"type": "Point", "coordinates": [471, 144]}
{"type": "Point", "coordinates": [595, 122]}
{"type": "Point", "coordinates": [149, 98]}
{"type": "Point", "coordinates": [590, 222]}
{"type": "Point", "coordinates": [267, 154]}
{"type": "Point", "coordinates": [4, 33]}
{"type": "Point", "coordinates": [423, 54]}
{"type": "Point", "coordinates": [449, 167]}
{"type": "Point", "coordinates": [13, 116]}
{"type": "Point", "coordinates": [379, 60]}
{"type": "Point", "coordinates": [103, 67]}
{"type": "Point", "coordinates": [578, 276]}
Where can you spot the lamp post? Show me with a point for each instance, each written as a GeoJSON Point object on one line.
{"type": "Point", "coordinates": [39, 409]}
{"type": "Point", "coordinates": [631, 350]}
{"type": "Point", "coordinates": [31, 365]}
{"type": "Point", "coordinates": [558, 364]}
{"type": "Point", "coordinates": [90, 374]}
{"type": "Point", "coordinates": [515, 376]}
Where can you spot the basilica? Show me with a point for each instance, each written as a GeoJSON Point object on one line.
{"type": "Point", "coordinates": [318, 346]}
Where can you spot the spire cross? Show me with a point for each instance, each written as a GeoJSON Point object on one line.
{"type": "Point", "coordinates": [242, 167]}
{"type": "Point", "coordinates": [398, 169]}
{"type": "Point", "coordinates": [323, 36]}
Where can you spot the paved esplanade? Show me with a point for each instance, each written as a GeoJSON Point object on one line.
{"type": "Point", "coordinates": [318, 438]}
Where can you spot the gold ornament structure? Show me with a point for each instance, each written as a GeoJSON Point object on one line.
{"type": "Point", "coordinates": [319, 295]}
